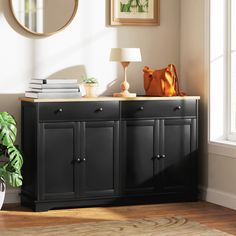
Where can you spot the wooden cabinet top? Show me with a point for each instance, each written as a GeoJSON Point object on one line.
{"type": "Point", "coordinates": [82, 99]}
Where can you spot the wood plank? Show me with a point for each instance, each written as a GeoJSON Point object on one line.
{"type": "Point", "coordinates": [214, 216]}
{"type": "Point", "coordinates": [84, 99]}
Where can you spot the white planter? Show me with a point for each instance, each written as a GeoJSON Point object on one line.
{"type": "Point", "coordinates": [2, 192]}
{"type": "Point", "coordinates": [91, 90]}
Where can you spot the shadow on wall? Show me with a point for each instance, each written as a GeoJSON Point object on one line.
{"type": "Point", "coordinates": [11, 104]}
{"type": "Point", "coordinates": [112, 87]}
{"type": "Point", "coordinates": [78, 71]}
{"type": "Point", "coordinates": [74, 72]}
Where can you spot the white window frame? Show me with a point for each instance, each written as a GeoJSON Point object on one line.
{"type": "Point", "coordinates": [227, 137]}
{"type": "Point", "coordinates": [231, 116]}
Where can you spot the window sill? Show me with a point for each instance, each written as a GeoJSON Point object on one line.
{"type": "Point", "coordinates": [222, 148]}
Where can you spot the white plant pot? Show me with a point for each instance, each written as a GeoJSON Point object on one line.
{"type": "Point", "coordinates": [2, 192]}
{"type": "Point", "coordinates": [90, 90]}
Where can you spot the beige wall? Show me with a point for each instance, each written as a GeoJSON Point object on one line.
{"type": "Point", "coordinates": [192, 46]}
{"type": "Point", "coordinates": [86, 44]}
{"type": "Point", "coordinates": [193, 68]}
{"type": "Point", "coordinates": [216, 172]}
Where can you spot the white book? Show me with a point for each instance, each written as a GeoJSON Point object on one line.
{"type": "Point", "coordinates": [65, 86]}
{"type": "Point", "coordinates": [30, 94]}
{"type": "Point", "coordinates": [54, 81]}
{"type": "Point", "coordinates": [46, 90]}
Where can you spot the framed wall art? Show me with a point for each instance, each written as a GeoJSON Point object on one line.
{"type": "Point", "coordinates": [134, 12]}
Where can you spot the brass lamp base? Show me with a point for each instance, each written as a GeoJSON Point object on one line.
{"type": "Point", "coordinates": [124, 94]}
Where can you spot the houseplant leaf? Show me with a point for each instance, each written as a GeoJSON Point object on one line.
{"type": "Point", "coordinates": [15, 158]}
{"type": "Point", "coordinates": [8, 129]}
{"type": "Point", "coordinates": [10, 170]}
{"type": "Point", "coordinates": [10, 175]}
{"type": "Point", "coordinates": [2, 150]}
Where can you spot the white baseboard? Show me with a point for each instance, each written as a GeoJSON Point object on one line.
{"type": "Point", "coordinates": [218, 197]}
{"type": "Point", "coordinates": [12, 196]}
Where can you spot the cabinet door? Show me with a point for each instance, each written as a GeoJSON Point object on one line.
{"type": "Point", "coordinates": [178, 152]}
{"type": "Point", "coordinates": [99, 158]}
{"type": "Point", "coordinates": [56, 167]}
{"type": "Point", "coordinates": [140, 144]}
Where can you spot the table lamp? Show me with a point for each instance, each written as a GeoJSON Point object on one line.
{"type": "Point", "coordinates": [125, 56]}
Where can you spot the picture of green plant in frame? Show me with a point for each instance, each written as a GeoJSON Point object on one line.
{"type": "Point", "coordinates": [135, 12]}
{"type": "Point", "coordinates": [134, 6]}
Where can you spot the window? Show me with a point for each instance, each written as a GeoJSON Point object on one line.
{"type": "Point", "coordinates": [223, 70]}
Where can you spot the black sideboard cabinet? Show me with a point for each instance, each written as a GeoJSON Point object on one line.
{"type": "Point", "coordinates": [88, 153]}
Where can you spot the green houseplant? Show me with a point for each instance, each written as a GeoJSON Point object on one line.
{"type": "Point", "coordinates": [90, 85]}
{"type": "Point", "coordinates": [10, 168]}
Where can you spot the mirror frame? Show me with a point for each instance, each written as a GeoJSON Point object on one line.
{"type": "Point", "coordinates": [44, 34]}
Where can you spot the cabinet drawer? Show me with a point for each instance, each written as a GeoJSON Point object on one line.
{"type": "Point", "coordinates": [62, 111]}
{"type": "Point", "coordinates": [145, 109]}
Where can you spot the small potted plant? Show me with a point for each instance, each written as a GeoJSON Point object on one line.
{"type": "Point", "coordinates": [90, 85]}
{"type": "Point", "coordinates": [10, 168]}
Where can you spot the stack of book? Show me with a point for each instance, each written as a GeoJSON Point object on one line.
{"type": "Point", "coordinates": [53, 88]}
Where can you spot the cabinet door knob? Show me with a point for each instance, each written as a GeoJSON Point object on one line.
{"type": "Point", "coordinates": [178, 108]}
{"type": "Point", "coordinates": [60, 110]}
{"type": "Point", "coordinates": [163, 156]}
{"type": "Point", "coordinates": [84, 159]}
{"type": "Point", "coordinates": [78, 160]}
{"type": "Point", "coordinates": [158, 157]}
{"type": "Point", "coordinates": [141, 108]}
{"type": "Point", "coordinates": [100, 109]}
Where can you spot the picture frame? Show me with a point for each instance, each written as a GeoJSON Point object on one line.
{"type": "Point", "coordinates": [134, 12]}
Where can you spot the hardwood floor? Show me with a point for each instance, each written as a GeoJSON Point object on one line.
{"type": "Point", "coordinates": [206, 213]}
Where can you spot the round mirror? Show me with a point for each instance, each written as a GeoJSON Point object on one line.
{"type": "Point", "coordinates": [43, 17]}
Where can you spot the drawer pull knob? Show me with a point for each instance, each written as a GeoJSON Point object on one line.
{"type": "Point", "coordinates": [178, 108]}
{"type": "Point", "coordinates": [163, 156]}
{"type": "Point", "coordinates": [100, 109]}
{"type": "Point", "coordinates": [141, 108]}
{"type": "Point", "coordinates": [60, 110]}
{"type": "Point", "coordinates": [158, 157]}
{"type": "Point", "coordinates": [84, 159]}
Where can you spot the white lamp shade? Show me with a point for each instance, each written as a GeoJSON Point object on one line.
{"type": "Point", "coordinates": [125, 54]}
